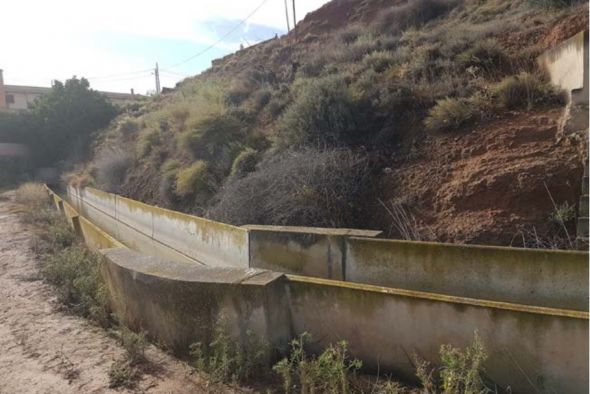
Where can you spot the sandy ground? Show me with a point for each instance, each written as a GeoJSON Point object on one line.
{"type": "Point", "coordinates": [46, 350]}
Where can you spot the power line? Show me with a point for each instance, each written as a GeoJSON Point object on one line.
{"type": "Point", "coordinates": [221, 39]}
{"type": "Point", "coordinates": [121, 74]}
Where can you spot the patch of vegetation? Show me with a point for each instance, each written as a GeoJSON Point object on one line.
{"type": "Point", "coordinates": [310, 187]}
{"type": "Point", "coordinates": [33, 195]}
{"type": "Point", "coordinates": [461, 370]}
{"type": "Point", "coordinates": [330, 372]}
{"type": "Point", "coordinates": [245, 163]}
{"type": "Point", "coordinates": [322, 115]}
{"type": "Point", "coordinates": [524, 90]}
{"type": "Point", "coordinates": [194, 179]}
{"type": "Point", "coordinates": [379, 61]}
{"type": "Point", "coordinates": [146, 141]}
{"type": "Point", "coordinates": [111, 168]}
{"type": "Point", "coordinates": [548, 4]}
{"type": "Point", "coordinates": [449, 114]}
{"type": "Point", "coordinates": [229, 360]}
{"type": "Point", "coordinates": [68, 265]}
{"type": "Point", "coordinates": [127, 126]}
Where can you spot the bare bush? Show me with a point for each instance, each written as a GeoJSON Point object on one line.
{"type": "Point", "coordinates": [33, 195]}
{"type": "Point", "coordinates": [305, 188]}
{"type": "Point", "coordinates": [111, 168]}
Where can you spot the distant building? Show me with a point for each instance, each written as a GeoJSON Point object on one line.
{"type": "Point", "coordinates": [16, 97]}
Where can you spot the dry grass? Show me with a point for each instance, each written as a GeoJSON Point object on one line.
{"type": "Point", "coordinates": [33, 195]}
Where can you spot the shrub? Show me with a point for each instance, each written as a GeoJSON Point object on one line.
{"type": "Point", "coordinates": [554, 3]}
{"type": "Point", "coordinates": [127, 126]}
{"type": "Point", "coordinates": [379, 61]}
{"type": "Point", "coordinates": [412, 14]}
{"type": "Point", "coordinates": [364, 44]}
{"type": "Point", "coordinates": [461, 370]}
{"type": "Point", "coordinates": [146, 142]}
{"type": "Point", "coordinates": [245, 163]}
{"type": "Point", "coordinates": [75, 271]}
{"type": "Point", "coordinates": [229, 360]}
{"type": "Point", "coordinates": [305, 188]}
{"type": "Point", "coordinates": [486, 55]}
{"type": "Point", "coordinates": [193, 179]}
{"type": "Point", "coordinates": [216, 140]}
{"type": "Point", "coordinates": [524, 90]}
{"type": "Point", "coordinates": [322, 114]}
{"type": "Point", "coordinates": [448, 114]}
{"type": "Point", "coordinates": [32, 195]}
{"type": "Point", "coordinates": [111, 168]}
{"type": "Point", "coordinates": [261, 98]}
{"type": "Point", "coordinates": [330, 372]}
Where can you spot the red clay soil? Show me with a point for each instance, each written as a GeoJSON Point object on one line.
{"type": "Point", "coordinates": [479, 186]}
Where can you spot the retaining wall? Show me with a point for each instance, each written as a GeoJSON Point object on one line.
{"type": "Point", "coordinates": [530, 349]}
{"type": "Point", "coordinates": [180, 304]}
{"type": "Point", "coordinates": [557, 279]}
{"type": "Point", "coordinates": [307, 251]}
{"type": "Point", "coordinates": [163, 233]}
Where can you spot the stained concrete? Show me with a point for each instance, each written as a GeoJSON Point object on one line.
{"type": "Point", "coordinates": [178, 304]}
{"type": "Point", "coordinates": [549, 278]}
{"type": "Point", "coordinates": [529, 349]}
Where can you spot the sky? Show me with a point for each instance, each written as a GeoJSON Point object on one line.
{"type": "Point", "coordinates": [116, 43]}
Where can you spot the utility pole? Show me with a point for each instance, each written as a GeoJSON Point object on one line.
{"type": "Point", "coordinates": [294, 16]}
{"type": "Point", "coordinates": [287, 15]}
{"type": "Point", "coordinates": [157, 74]}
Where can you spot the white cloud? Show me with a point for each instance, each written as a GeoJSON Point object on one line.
{"type": "Point", "coordinates": [41, 37]}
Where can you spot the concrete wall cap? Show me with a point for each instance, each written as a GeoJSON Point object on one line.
{"type": "Point", "coordinates": [315, 230]}
{"type": "Point", "coordinates": [167, 269]}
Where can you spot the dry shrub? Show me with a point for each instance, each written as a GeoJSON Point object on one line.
{"type": "Point", "coordinates": [525, 90]}
{"type": "Point", "coordinates": [146, 141]}
{"type": "Point", "coordinates": [304, 188]}
{"type": "Point", "coordinates": [487, 56]}
{"type": "Point", "coordinates": [127, 126]}
{"type": "Point", "coordinates": [33, 195]}
{"type": "Point", "coordinates": [413, 14]}
{"type": "Point", "coordinates": [379, 61]}
{"type": "Point", "coordinates": [322, 114]}
{"type": "Point", "coordinates": [194, 179]}
{"type": "Point", "coordinates": [449, 114]}
{"type": "Point", "coordinates": [245, 163]}
{"type": "Point", "coordinates": [111, 168]}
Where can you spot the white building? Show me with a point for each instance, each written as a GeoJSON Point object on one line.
{"type": "Point", "coordinates": [16, 97]}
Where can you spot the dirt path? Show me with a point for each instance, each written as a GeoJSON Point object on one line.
{"type": "Point", "coordinates": [45, 350]}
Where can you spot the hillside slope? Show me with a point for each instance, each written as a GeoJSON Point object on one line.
{"type": "Point", "coordinates": [427, 119]}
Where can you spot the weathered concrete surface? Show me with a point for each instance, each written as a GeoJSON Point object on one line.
{"type": "Point", "coordinates": [305, 251]}
{"type": "Point", "coordinates": [164, 233]}
{"type": "Point", "coordinates": [557, 279]}
{"type": "Point", "coordinates": [565, 64]}
{"type": "Point", "coordinates": [530, 349]}
{"type": "Point", "coordinates": [179, 304]}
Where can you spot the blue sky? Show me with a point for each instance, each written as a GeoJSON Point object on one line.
{"type": "Point", "coordinates": [116, 43]}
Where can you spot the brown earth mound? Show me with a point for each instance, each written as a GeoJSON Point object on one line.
{"type": "Point", "coordinates": [484, 185]}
